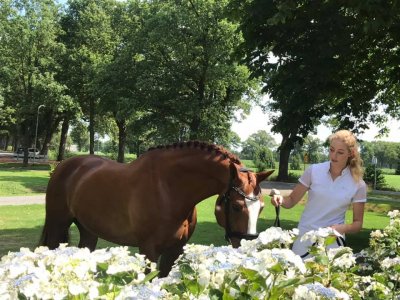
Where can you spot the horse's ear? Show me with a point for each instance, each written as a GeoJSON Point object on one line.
{"type": "Point", "coordinates": [234, 171]}
{"type": "Point", "coordinates": [261, 176]}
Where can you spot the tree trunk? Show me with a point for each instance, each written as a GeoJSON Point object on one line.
{"type": "Point", "coordinates": [91, 126]}
{"type": "Point", "coordinates": [49, 134]}
{"type": "Point", "coordinates": [26, 143]}
{"type": "Point", "coordinates": [121, 140]}
{"type": "Point", "coordinates": [284, 153]}
{"type": "Point", "coordinates": [194, 129]}
{"type": "Point", "coordinates": [63, 139]}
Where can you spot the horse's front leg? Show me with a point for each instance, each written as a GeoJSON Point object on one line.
{"type": "Point", "coordinates": [150, 252]}
{"type": "Point", "coordinates": [168, 258]}
{"type": "Point", "coordinates": [169, 255]}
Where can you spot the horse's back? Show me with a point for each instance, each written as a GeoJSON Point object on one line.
{"type": "Point", "coordinates": [73, 167]}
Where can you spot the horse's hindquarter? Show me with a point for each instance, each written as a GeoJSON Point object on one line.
{"type": "Point", "coordinates": [97, 195]}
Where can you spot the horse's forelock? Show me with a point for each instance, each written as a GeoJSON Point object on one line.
{"type": "Point", "coordinates": [202, 146]}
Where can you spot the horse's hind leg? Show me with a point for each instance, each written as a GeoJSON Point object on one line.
{"type": "Point", "coordinates": [86, 239]}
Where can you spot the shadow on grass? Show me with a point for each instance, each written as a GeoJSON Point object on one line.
{"type": "Point", "coordinates": [18, 167]}
{"type": "Point", "coordinates": [35, 184]}
{"type": "Point", "coordinates": [206, 233]}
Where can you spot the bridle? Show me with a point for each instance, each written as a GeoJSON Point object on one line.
{"type": "Point", "coordinates": [227, 199]}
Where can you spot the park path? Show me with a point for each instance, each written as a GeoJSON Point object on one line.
{"type": "Point", "coordinates": [283, 187]}
{"type": "Point", "coordinates": [22, 200]}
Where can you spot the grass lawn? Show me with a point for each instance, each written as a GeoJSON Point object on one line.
{"type": "Point", "coordinates": [15, 181]}
{"type": "Point", "coordinates": [20, 226]}
{"type": "Point", "coordinates": [392, 181]}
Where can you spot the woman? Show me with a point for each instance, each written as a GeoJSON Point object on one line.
{"type": "Point", "coordinates": [332, 186]}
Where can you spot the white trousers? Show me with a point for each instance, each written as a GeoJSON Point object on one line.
{"type": "Point", "coordinates": [302, 248]}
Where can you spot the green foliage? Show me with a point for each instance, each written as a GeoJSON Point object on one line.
{"type": "Point", "coordinates": [387, 153]}
{"type": "Point", "coordinates": [340, 77]}
{"type": "Point", "coordinates": [296, 163]}
{"type": "Point", "coordinates": [258, 140]}
{"type": "Point", "coordinates": [80, 136]}
{"type": "Point", "coordinates": [374, 176]}
{"type": "Point", "coordinates": [264, 159]}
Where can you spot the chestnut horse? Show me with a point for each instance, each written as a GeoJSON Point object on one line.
{"type": "Point", "coordinates": [150, 202]}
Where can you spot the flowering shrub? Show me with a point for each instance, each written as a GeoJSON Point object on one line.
{"type": "Point", "coordinates": [71, 273]}
{"type": "Point", "coordinates": [264, 268]}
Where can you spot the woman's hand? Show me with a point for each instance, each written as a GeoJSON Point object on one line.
{"type": "Point", "coordinates": [339, 228]}
{"type": "Point", "coordinates": [276, 198]}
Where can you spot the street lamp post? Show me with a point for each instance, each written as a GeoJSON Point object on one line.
{"type": "Point", "coordinates": [37, 124]}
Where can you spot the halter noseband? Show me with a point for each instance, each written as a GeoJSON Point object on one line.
{"type": "Point", "coordinates": [226, 198]}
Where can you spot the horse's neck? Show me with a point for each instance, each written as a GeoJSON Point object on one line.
{"type": "Point", "coordinates": [207, 177]}
{"type": "Point", "coordinates": [191, 176]}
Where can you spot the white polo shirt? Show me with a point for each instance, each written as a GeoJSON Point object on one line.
{"type": "Point", "coordinates": [328, 199]}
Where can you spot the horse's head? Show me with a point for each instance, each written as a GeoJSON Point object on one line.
{"type": "Point", "coordinates": [237, 210]}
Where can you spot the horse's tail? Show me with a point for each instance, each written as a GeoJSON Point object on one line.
{"type": "Point", "coordinates": [53, 236]}
{"type": "Point", "coordinates": [43, 236]}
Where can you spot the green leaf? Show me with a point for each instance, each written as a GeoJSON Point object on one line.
{"type": "Point", "coordinates": [330, 240]}
{"type": "Point", "coordinates": [249, 274]}
{"type": "Point", "coordinates": [192, 286]}
{"type": "Point", "coordinates": [277, 268]}
{"type": "Point", "coordinates": [150, 276]}
{"type": "Point", "coordinates": [289, 282]}
{"type": "Point", "coordinates": [215, 294]}
{"type": "Point", "coordinates": [186, 269]}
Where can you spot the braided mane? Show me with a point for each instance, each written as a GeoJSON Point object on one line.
{"type": "Point", "coordinates": [202, 146]}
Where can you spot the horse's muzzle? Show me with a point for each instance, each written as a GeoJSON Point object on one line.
{"type": "Point", "coordinates": [240, 236]}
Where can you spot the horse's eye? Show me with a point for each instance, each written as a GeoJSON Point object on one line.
{"type": "Point", "coordinates": [237, 207]}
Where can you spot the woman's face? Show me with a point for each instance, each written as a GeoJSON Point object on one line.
{"type": "Point", "coordinates": [339, 153]}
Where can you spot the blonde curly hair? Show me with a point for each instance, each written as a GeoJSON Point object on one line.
{"type": "Point", "coordinates": [355, 162]}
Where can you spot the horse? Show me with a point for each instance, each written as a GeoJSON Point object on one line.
{"type": "Point", "coordinates": [150, 202]}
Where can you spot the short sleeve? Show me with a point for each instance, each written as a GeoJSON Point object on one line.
{"type": "Point", "coordinates": [361, 193]}
{"type": "Point", "coordinates": [305, 179]}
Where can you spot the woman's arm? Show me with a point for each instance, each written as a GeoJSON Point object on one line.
{"type": "Point", "coordinates": [289, 201]}
{"type": "Point", "coordinates": [358, 218]}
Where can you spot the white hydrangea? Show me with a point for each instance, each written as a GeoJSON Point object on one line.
{"type": "Point", "coordinates": [394, 214]}
{"type": "Point", "coordinates": [316, 291]}
{"type": "Point", "coordinates": [377, 234]}
{"type": "Point", "coordinates": [273, 237]}
{"type": "Point", "coordinates": [64, 272]}
{"type": "Point", "coordinates": [320, 234]}
{"type": "Point", "coordinates": [342, 257]}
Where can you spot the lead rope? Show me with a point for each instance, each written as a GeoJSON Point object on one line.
{"type": "Point", "coordinates": [277, 222]}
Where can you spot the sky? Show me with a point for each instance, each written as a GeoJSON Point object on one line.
{"type": "Point", "coordinates": [257, 120]}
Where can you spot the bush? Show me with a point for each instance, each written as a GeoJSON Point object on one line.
{"type": "Point", "coordinates": [296, 163]}
{"type": "Point", "coordinates": [264, 159]}
{"type": "Point", "coordinates": [369, 177]}
{"type": "Point", "coordinates": [263, 268]}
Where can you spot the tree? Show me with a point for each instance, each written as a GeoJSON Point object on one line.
{"type": "Point", "coordinates": [260, 139]}
{"type": "Point", "coordinates": [195, 83]}
{"type": "Point", "coordinates": [320, 58]}
{"type": "Point", "coordinates": [79, 135]}
{"type": "Point", "coordinates": [117, 83]}
{"type": "Point", "coordinates": [264, 159]}
{"type": "Point", "coordinates": [89, 41]}
{"type": "Point", "coordinates": [28, 55]}
{"type": "Point", "coordinates": [373, 177]}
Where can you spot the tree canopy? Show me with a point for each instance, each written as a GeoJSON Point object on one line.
{"type": "Point", "coordinates": [321, 59]}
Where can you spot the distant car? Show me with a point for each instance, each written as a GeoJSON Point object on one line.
{"type": "Point", "coordinates": [31, 152]}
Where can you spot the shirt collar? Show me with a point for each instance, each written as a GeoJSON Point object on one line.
{"type": "Point", "coordinates": [344, 171]}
